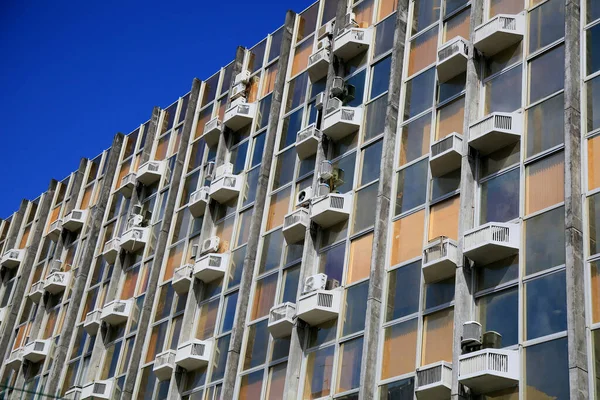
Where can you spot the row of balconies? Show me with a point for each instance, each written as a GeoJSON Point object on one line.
{"type": "Point", "coordinates": [72, 222]}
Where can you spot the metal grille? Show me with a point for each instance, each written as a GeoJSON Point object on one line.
{"type": "Point", "coordinates": [211, 125]}
{"type": "Point", "coordinates": [165, 359]}
{"type": "Point", "coordinates": [453, 49]}
{"type": "Point", "coordinates": [325, 300]}
{"type": "Point", "coordinates": [483, 361]}
{"type": "Point", "coordinates": [430, 375]}
{"type": "Point", "coordinates": [229, 181]}
{"type": "Point", "coordinates": [76, 215]}
{"type": "Point", "coordinates": [358, 35]}
{"type": "Point", "coordinates": [14, 254]}
{"type": "Point", "coordinates": [495, 24]}
{"type": "Point", "coordinates": [282, 312]}
{"type": "Point", "coordinates": [441, 146]}
{"type": "Point", "coordinates": [57, 278]}
{"type": "Point", "coordinates": [494, 121]}
{"type": "Point", "coordinates": [100, 388]}
{"type": "Point", "coordinates": [347, 115]}
{"type": "Point", "coordinates": [153, 167]}
{"type": "Point", "coordinates": [38, 346]}
{"type": "Point", "coordinates": [36, 287]}
{"type": "Point", "coordinates": [182, 273]}
{"type": "Point", "coordinates": [336, 202]}
{"type": "Point", "coordinates": [119, 307]}
{"type": "Point", "coordinates": [243, 109]}
{"type": "Point", "coordinates": [198, 349]}
{"type": "Point", "coordinates": [214, 261]}
{"type": "Point", "coordinates": [313, 59]}
{"type": "Point", "coordinates": [298, 216]}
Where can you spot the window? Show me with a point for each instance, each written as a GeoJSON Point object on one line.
{"type": "Point", "coordinates": [545, 305]}
{"type": "Point", "coordinates": [458, 25]}
{"type": "Point", "coordinates": [264, 296]}
{"type": "Point", "coordinates": [407, 241]}
{"type": "Point", "coordinates": [403, 291]}
{"type": "Point", "coordinates": [423, 51]}
{"type": "Point", "coordinates": [371, 162]}
{"type": "Point", "coordinates": [386, 7]}
{"type": "Point", "coordinates": [355, 308]}
{"type": "Point", "coordinates": [399, 349]}
{"type": "Point", "coordinates": [546, 74]}
{"type": "Point", "coordinates": [596, 355]}
{"type": "Point", "coordinates": [381, 77]}
{"type": "Point", "coordinates": [500, 198]}
{"type": "Point", "coordinates": [278, 208]}
{"type": "Point", "coordinates": [426, 12]}
{"type": "Point", "coordinates": [547, 370]}
{"type": "Point", "coordinates": [401, 390]}
{"type": "Point", "coordinates": [319, 370]}
{"type": "Point", "coordinates": [545, 125]}
{"type": "Point", "coordinates": [546, 25]}
{"type": "Point", "coordinates": [331, 262]}
{"type": "Point", "coordinates": [419, 93]}
{"type": "Point", "coordinates": [445, 184]}
{"type": "Point", "coordinates": [301, 56]}
{"type": "Point", "coordinates": [544, 241]}
{"type": "Point", "coordinates": [545, 183]}
{"type": "Point", "coordinates": [349, 365]}
{"type": "Point", "coordinates": [499, 312]}
{"type": "Point", "coordinates": [443, 219]}
{"type": "Point", "coordinates": [291, 126]}
{"type": "Point", "coordinates": [360, 258]}
{"type": "Point", "coordinates": [375, 118]}
{"type": "Point", "coordinates": [415, 139]}
{"type": "Point", "coordinates": [503, 92]}
{"type": "Point", "coordinates": [505, 7]}
{"type": "Point", "coordinates": [437, 337]}
{"type": "Point", "coordinates": [256, 347]}
{"type": "Point", "coordinates": [384, 36]}
{"type": "Point", "coordinates": [593, 159]}
{"type": "Point", "coordinates": [594, 223]}
{"type": "Point", "coordinates": [251, 385]}
{"type": "Point", "coordinates": [498, 273]}
{"type": "Point", "coordinates": [450, 118]}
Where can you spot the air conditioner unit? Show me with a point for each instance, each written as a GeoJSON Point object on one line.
{"type": "Point", "coordinates": [332, 284]}
{"type": "Point", "coordinates": [237, 102]}
{"type": "Point", "coordinates": [211, 245]}
{"type": "Point", "coordinates": [195, 250]}
{"type": "Point", "coordinates": [136, 209]}
{"type": "Point", "coordinates": [323, 189]}
{"type": "Point", "coordinates": [238, 91]}
{"type": "Point", "coordinates": [326, 30]}
{"type": "Point", "coordinates": [135, 220]}
{"type": "Point", "coordinates": [209, 170]}
{"type": "Point", "coordinates": [224, 169]}
{"type": "Point", "coordinates": [315, 282]}
{"type": "Point", "coordinates": [471, 335]}
{"type": "Point", "coordinates": [337, 87]}
{"type": "Point", "coordinates": [304, 197]}
{"type": "Point", "coordinates": [319, 101]}
{"type": "Point", "coordinates": [324, 44]}
{"type": "Point", "coordinates": [350, 21]}
{"type": "Point", "coordinates": [333, 104]}
{"type": "Point", "coordinates": [242, 77]}
{"type": "Point", "coordinates": [325, 170]}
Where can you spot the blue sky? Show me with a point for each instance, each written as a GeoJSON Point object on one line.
{"type": "Point", "coordinates": [76, 72]}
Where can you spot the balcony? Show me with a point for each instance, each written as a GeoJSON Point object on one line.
{"type": "Point", "coordinates": [127, 184]}
{"type": "Point", "coordinates": [328, 210]}
{"type": "Point", "coordinates": [15, 359]}
{"type": "Point", "coordinates": [434, 381]}
{"type": "Point", "coordinates": [491, 242]}
{"type": "Point", "coordinates": [489, 370]}
{"type": "Point", "coordinates": [134, 239]}
{"type": "Point", "coordinates": [281, 320]}
{"type": "Point", "coordinates": [495, 131]}
{"type": "Point", "coordinates": [212, 132]}
{"type": "Point", "coordinates": [351, 42]}
{"type": "Point", "coordinates": [225, 188]}
{"type": "Point", "coordinates": [164, 364]}
{"type": "Point", "coordinates": [54, 230]}
{"type": "Point", "coordinates": [211, 267]}
{"type": "Point", "coordinates": [12, 258]}
{"type": "Point", "coordinates": [198, 201]}
{"type": "Point", "coordinates": [36, 292]}
{"type": "Point", "coordinates": [452, 59]}
{"type": "Point", "coordinates": [74, 220]}
{"type": "Point", "coordinates": [499, 33]}
{"type": "Point", "coordinates": [151, 172]}
{"type": "Point", "coordinates": [116, 312]}
{"type": "Point", "coordinates": [105, 390]}
{"type": "Point", "coordinates": [439, 259]}
{"type": "Point", "coordinates": [339, 123]}
{"type": "Point", "coordinates": [182, 278]}
{"type": "Point", "coordinates": [446, 155]}
{"type": "Point", "coordinates": [194, 354]}
{"type": "Point", "coordinates": [92, 322]}
{"type": "Point", "coordinates": [318, 64]}
{"type": "Point", "coordinates": [307, 141]}
{"type": "Point", "coordinates": [37, 350]}
{"type": "Point", "coordinates": [57, 282]}
{"type": "Point", "coordinates": [111, 250]}
{"type": "Point", "coordinates": [319, 306]}
{"type": "Point", "coordinates": [295, 224]}
{"type": "Point", "coordinates": [74, 393]}
{"type": "Point", "coordinates": [239, 115]}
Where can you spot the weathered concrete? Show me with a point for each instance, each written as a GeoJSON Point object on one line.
{"type": "Point", "coordinates": [370, 354]}
{"type": "Point", "coordinates": [15, 225]}
{"type": "Point", "coordinates": [94, 227]}
{"type": "Point", "coordinates": [262, 189]}
{"type": "Point", "coordinates": [146, 311]}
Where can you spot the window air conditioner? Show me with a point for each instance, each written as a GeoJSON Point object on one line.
{"type": "Point", "coordinates": [325, 170]}
{"type": "Point", "coordinates": [326, 30]}
{"type": "Point", "coordinates": [243, 77]}
{"type": "Point", "coordinates": [315, 282]}
{"type": "Point", "coordinates": [319, 101]}
{"type": "Point", "coordinates": [209, 170]}
{"type": "Point", "coordinates": [224, 169]}
{"type": "Point", "coordinates": [211, 245]}
{"type": "Point", "coordinates": [324, 44]}
{"type": "Point", "coordinates": [304, 197]}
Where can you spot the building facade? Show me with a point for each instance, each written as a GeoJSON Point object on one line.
{"type": "Point", "coordinates": [383, 199]}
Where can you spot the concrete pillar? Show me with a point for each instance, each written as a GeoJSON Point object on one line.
{"type": "Point", "coordinates": [370, 354]}
{"type": "Point", "coordinates": [146, 311]}
{"type": "Point", "coordinates": [15, 225]}
{"type": "Point", "coordinates": [239, 323]}
{"type": "Point", "coordinates": [575, 270]}
{"type": "Point", "coordinates": [94, 226]}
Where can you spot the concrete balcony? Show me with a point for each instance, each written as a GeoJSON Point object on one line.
{"type": "Point", "coordinates": [499, 33]}
{"type": "Point", "coordinates": [57, 282]}
{"type": "Point", "coordinates": [117, 312]}
{"type": "Point", "coordinates": [54, 230]}
{"type": "Point", "coordinates": [37, 350]}
{"type": "Point", "coordinates": [74, 393]}
{"type": "Point", "coordinates": [37, 291]}
{"type": "Point", "coordinates": [489, 370]}
{"type": "Point", "coordinates": [151, 172]}
{"type": "Point", "coordinates": [329, 210]}
{"type": "Point", "coordinates": [452, 58]}
{"type": "Point", "coordinates": [281, 319]}
{"type": "Point", "coordinates": [446, 155]}
{"type": "Point", "coordinates": [12, 258]}
{"type": "Point", "coordinates": [351, 42]}
{"type": "Point", "coordinates": [492, 242]}
{"type": "Point", "coordinates": [318, 64]}
{"type": "Point", "coordinates": [295, 224]}
{"type": "Point", "coordinates": [198, 201]}
{"type": "Point", "coordinates": [127, 184]}
{"type": "Point", "coordinates": [194, 354]}
{"type": "Point", "coordinates": [134, 239]}
{"type": "Point", "coordinates": [182, 278]}
{"type": "Point", "coordinates": [74, 220]}
{"type": "Point", "coordinates": [339, 123]}
{"type": "Point", "coordinates": [164, 364]}
{"type": "Point", "coordinates": [307, 141]}
{"type": "Point", "coordinates": [225, 187]}
{"type": "Point", "coordinates": [319, 306]}
{"type": "Point", "coordinates": [101, 390]}
{"type": "Point", "coordinates": [15, 359]}
{"type": "Point", "coordinates": [211, 267]}
{"type": "Point", "coordinates": [434, 381]}
{"type": "Point", "coordinates": [111, 250]}
{"type": "Point", "coordinates": [239, 116]}
{"type": "Point", "coordinates": [212, 132]}
{"type": "Point", "coordinates": [92, 322]}
{"type": "Point", "coordinates": [439, 259]}
{"type": "Point", "coordinates": [495, 131]}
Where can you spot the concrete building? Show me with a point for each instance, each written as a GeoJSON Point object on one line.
{"type": "Point", "coordinates": [389, 199]}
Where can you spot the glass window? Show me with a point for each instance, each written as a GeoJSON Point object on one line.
{"type": "Point", "coordinates": [545, 305]}
{"type": "Point", "coordinates": [384, 36]}
{"type": "Point", "coordinates": [359, 265]}
{"type": "Point", "coordinates": [355, 308]}
{"type": "Point", "coordinates": [284, 170]}
{"type": "Point", "coordinates": [547, 370]}
{"type": "Point", "coordinates": [505, 7]}
{"type": "Point", "coordinates": [544, 241]}
{"type": "Point", "coordinates": [220, 357]}
{"type": "Point", "coordinates": [439, 293]}
{"type": "Point", "coordinates": [375, 119]}
{"type": "Point", "coordinates": [500, 159]}
{"type": "Point", "coordinates": [545, 125]}
{"type": "Point", "coordinates": [349, 365]}
{"type": "Point", "coordinates": [445, 184]}
{"type": "Point", "coordinates": [308, 22]}
{"type": "Point", "coordinates": [596, 355]}
{"type": "Point", "coordinates": [593, 157]}
{"type": "Point", "coordinates": [364, 13]}
{"type": "Point", "coordinates": [229, 313]}
{"type": "Point", "coordinates": [451, 87]}
{"type": "Point", "coordinates": [423, 51]}
{"type": "Point", "coordinates": [264, 296]}
{"type": "Point", "coordinates": [437, 337]}
{"type": "Point", "coordinates": [399, 349]}
{"type": "Point", "coordinates": [499, 312]}
{"type": "Point", "coordinates": [497, 273]}
{"type": "Point", "coordinates": [371, 162]}
{"type": "Point", "coordinates": [251, 385]}
{"type": "Point", "coordinates": [546, 74]}
{"type": "Point", "coordinates": [291, 277]}
{"type": "Point", "coordinates": [450, 119]}
{"type": "Point", "coordinates": [251, 186]}
{"type": "Point", "coordinates": [592, 37]}
{"type": "Point", "coordinates": [453, 5]}
{"type": "Point", "coordinates": [365, 201]}
{"type": "Point", "coordinates": [291, 125]}
{"type": "Point", "coordinates": [593, 10]}
{"type": "Point", "coordinates": [443, 219]}
{"type": "Point", "coordinates": [207, 317]}
{"type": "Point", "coordinates": [276, 382]}
{"type": "Point", "coordinates": [346, 165]}
{"type": "Point", "coordinates": [426, 12]}
{"type": "Point", "coordinates": [407, 241]}
{"type": "Point", "coordinates": [415, 139]}
{"type": "Point", "coordinates": [458, 25]}
{"type": "Point", "coordinates": [503, 92]}
{"type": "Point", "coordinates": [381, 77]}
{"type": "Point", "coordinates": [358, 81]}
{"type": "Point", "coordinates": [594, 220]}
{"type": "Point", "coordinates": [278, 208]}
{"type": "Point", "coordinates": [403, 291]}
{"type": "Point", "coordinates": [500, 198]}
{"type": "Point", "coordinates": [256, 347]}
{"type": "Point", "coordinates": [319, 368]}
{"type": "Point", "coordinates": [296, 91]}
{"type": "Point", "coordinates": [545, 183]}
{"type": "Point", "coordinates": [419, 93]}
{"type": "Point", "coordinates": [546, 24]}
{"type": "Point", "coordinates": [331, 262]}
{"type": "Point", "coordinates": [301, 55]}
{"type": "Point", "coordinates": [386, 7]}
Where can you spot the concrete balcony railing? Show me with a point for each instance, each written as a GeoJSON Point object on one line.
{"type": "Point", "coordinates": [307, 141]}
{"type": "Point", "coordinates": [329, 210]}
{"type": "Point", "coordinates": [434, 381]}
{"type": "Point", "coordinates": [211, 267]}
{"type": "Point", "coordinates": [127, 184]}
{"type": "Point", "coordinates": [198, 201]}
{"type": "Point", "coordinates": [295, 224]}
{"type": "Point", "coordinates": [499, 33]}
{"type": "Point", "coordinates": [281, 319]}
{"type": "Point", "coordinates": [319, 306]}
{"type": "Point", "coordinates": [194, 354]}
{"type": "Point", "coordinates": [239, 115]}
{"type": "Point", "coordinates": [36, 350]}
{"type": "Point", "coordinates": [134, 239]}
{"type": "Point", "coordinates": [340, 122]}
{"type": "Point", "coordinates": [57, 282]}
{"type": "Point", "coordinates": [151, 172]}
{"type": "Point", "coordinates": [318, 64]}
{"type": "Point", "coordinates": [164, 364]}
{"type": "Point", "coordinates": [54, 230]}
{"type": "Point", "coordinates": [495, 131]}
{"type": "Point", "coordinates": [104, 390]}
{"type": "Point", "coordinates": [491, 242]}
{"type": "Point", "coordinates": [452, 58]}
{"type": "Point", "coordinates": [225, 187]}
{"type": "Point", "coordinates": [37, 291]}
{"type": "Point", "coordinates": [212, 132]}
{"type": "Point", "coordinates": [446, 155]}
{"type": "Point", "coordinates": [439, 259]}
{"type": "Point", "coordinates": [12, 258]}
{"type": "Point", "coordinates": [74, 220]}
{"type": "Point", "coordinates": [182, 278]}
{"type": "Point", "coordinates": [117, 312]}
{"type": "Point", "coordinates": [111, 250]}
{"type": "Point", "coordinates": [92, 322]}
{"type": "Point", "coordinates": [350, 42]}
{"type": "Point", "coordinates": [489, 370]}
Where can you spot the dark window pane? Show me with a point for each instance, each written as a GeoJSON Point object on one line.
{"type": "Point", "coordinates": [403, 291]}
{"type": "Point", "coordinates": [547, 370]}
{"type": "Point", "coordinates": [546, 305]}
{"type": "Point", "coordinates": [545, 241]}
{"type": "Point", "coordinates": [500, 198]}
{"type": "Point", "coordinates": [356, 308]}
{"type": "Point", "coordinates": [499, 312]}
{"type": "Point", "coordinates": [546, 24]}
{"type": "Point", "coordinates": [412, 187]}
{"type": "Point", "coordinates": [419, 93]}
{"type": "Point", "coordinates": [381, 77]}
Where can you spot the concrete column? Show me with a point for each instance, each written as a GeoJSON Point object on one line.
{"type": "Point", "coordinates": [39, 224]}
{"type": "Point", "coordinates": [94, 223]}
{"type": "Point", "coordinates": [575, 271]}
{"type": "Point", "coordinates": [146, 311]}
{"type": "Point", "coordinates": [464, 304]}
{"type": "Point", "coordinates": [370, 354]}
{"type": "Point", "coordinates": [15, 225]}
{"type": "Point", "coordinates": [239, 323]}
